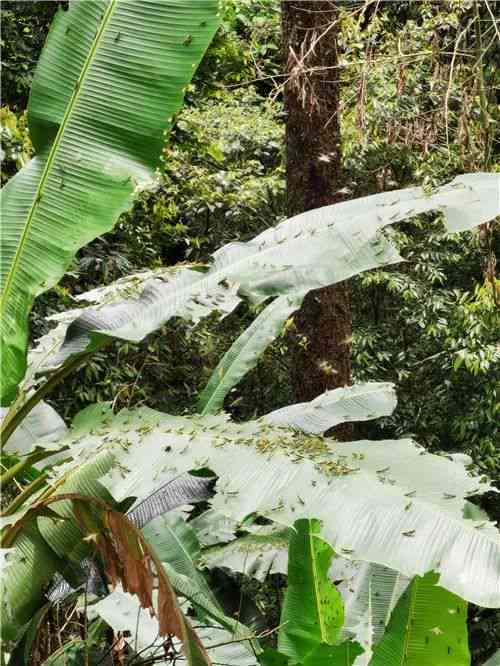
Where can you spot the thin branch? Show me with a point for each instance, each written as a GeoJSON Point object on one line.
{"type": "Point", "coordinates": [450, 81]}
{"type": "Point", "coordinates": [318, 68]}
{"type": "Point", "coordinates": [492, 18]}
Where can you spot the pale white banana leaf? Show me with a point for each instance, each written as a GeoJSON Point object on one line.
{"type": "Point", "coordinates": [123, 613]}
{"type": "Point", "coordinates": [41, 427]}
{"type": "Point", "coordinates": [213, 527]}
{"type": "Point", "coordinates": [360, 402]}
{"type": "Point", "coordinates": [370, 593]}
{"type": "Point", "coordinates": [257, 555]}
{"type": "Point", "coordinates": [178, 293]}
{"type": "Point", "coordinates": [310, 250]}
{"type": "Point", "coordinates": [387, 502]}
{"type": "Point", "coordinates": [42, 357]}
{"type": "Point", "coordinates": [224, 648]}
{"type": "Point", "coordinates": [175, 542]}
{"type": "Point", "coordinates": [333, 243]}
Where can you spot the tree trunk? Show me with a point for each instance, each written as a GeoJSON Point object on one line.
{"type": "Point", "coordinates": [321, 342]}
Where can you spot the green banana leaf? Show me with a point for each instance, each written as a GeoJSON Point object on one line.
{"type": "Point", "coordinates": [428, 626]}
{"type": "Point", "coordinates": [47, 546]}
{"type": "Point", "coordinates": [110, 79]}
{"type": "Point", "coordinates": [312, 612]}
{"type": "Point", "coordinates": [25, 576]}
{"type": "Point", "coordinates": [334, 655]}
{"type": "Point", "coordinates": [175, 542]}
{"type": "Point", "coordinates": [366, 493]}
{"type": "Point", "coordinates": [245, 352]}
{"type": "Point", "coordinates": [271, 657]}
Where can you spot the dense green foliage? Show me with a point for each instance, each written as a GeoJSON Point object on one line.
{"type": "Point", "coordinates": [24, 29]}
{"type": "Point", "coordinates": [432, 326]}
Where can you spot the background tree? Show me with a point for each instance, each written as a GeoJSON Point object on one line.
{"type": "Point", "coordinates": [321, 348]}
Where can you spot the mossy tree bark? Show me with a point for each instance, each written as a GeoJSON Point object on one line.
{"type": "Point", "coordinates": [321, 341]}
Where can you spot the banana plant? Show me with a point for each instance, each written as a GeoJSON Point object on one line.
{"type": "Point", "coordinates": [109, 81]}
{"type": "Point", "coordinates": [285, 474]}
{"type": "Point", "coordinates": [313, 614]}
{"type": "Point", "coordinates": [367, 495]}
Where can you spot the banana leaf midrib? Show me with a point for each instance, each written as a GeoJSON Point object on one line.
{"type": "Point", "coordinates": [409, 624]}
{"type": "Point", "coordinates": [322, 629]}
{"type": "Point", "coordinates": [105, 19]}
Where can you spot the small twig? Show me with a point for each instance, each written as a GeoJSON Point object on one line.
{"type": "Point", "coordinates": [450, 81]}
{"type": "Point", "coordinates": [137, 628]}
{"type": "Point", "coordinates": [481, 57]}
{"type": "Point", "coordinates": [236, 640]}
{"type": "Point", "coordinates": [68, 620]}
{"type": "Point", "coordinates": [494, 20]}
{"type": "Point", "coordinates": [429, 358]}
